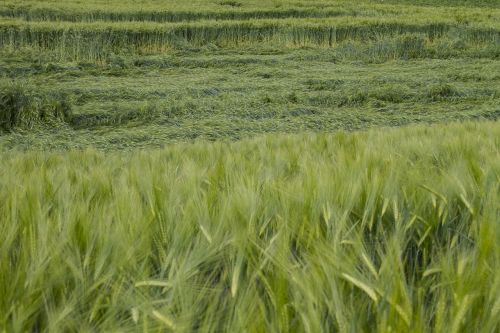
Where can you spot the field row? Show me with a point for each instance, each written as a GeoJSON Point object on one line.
{"type": "Point", "coordinates": [162, 15]}
{"type": "Point", "coordinates": [227, 10]}
{"type": "Point", "coordinates": [95, 41]}
{"type": "Point", "coordinates": [91, 15]}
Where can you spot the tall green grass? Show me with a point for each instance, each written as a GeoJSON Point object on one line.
{"type": "Point", "coordinates": [161, 15]}
{"type": "Point", "coordinates": [95, 41]}
{"type": "Point", "coordinates": [171, 10]}
{"type": "Point", "coordinates": [371, 231]}
{"type": "Point", "coordinates": [94, 30]}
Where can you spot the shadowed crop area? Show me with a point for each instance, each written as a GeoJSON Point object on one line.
{"type": "Point", "coordinates": [250, 166]}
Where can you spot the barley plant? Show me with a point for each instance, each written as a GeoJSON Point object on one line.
{"type": "Point", "coordinates": [394, 231]}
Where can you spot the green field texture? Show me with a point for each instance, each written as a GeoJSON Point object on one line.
{"type": "Point", "coordinates": [158, 100]}
{"type": "Point", "coordinates": [159, 10]}
{"type": "Point", "coordinates": [119, 75]}
{"type": "Point", "coordinates": [250, 166]}
{"type": "Point", "coordinates": [81, 34]}
{"type": "Point", "coordinates": [392, 230]}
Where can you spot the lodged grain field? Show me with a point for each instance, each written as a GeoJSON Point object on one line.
{"type": "Point", "coordinates": [250, 166]}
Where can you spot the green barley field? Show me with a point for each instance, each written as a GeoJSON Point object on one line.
{"type": "Point", "coordinates": [250, 166]}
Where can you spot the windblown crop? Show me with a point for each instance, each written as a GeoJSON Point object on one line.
{"type": "Point", "coordinates": [352, 232]}
{"type": "Point", "coordinates": [235, 166]}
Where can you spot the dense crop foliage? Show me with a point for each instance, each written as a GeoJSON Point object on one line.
{"type": "Point", "coordinates": [106, 225]}
{"type": "Point", "coordinates": [20, 108]}
{"type": "Point", "coordinates": [394, 231]}
{"type": "Point", "coordinates": [96, 40]}
{"type": "Point", "coordinates": [79, 32]}
{"type": "Point", "coordinates": [142, 73]}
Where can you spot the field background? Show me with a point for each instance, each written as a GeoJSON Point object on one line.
{"type": "Point", "coordinates": [149, 73]}
{"type": "Point", "coordinates": [250, 166]}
